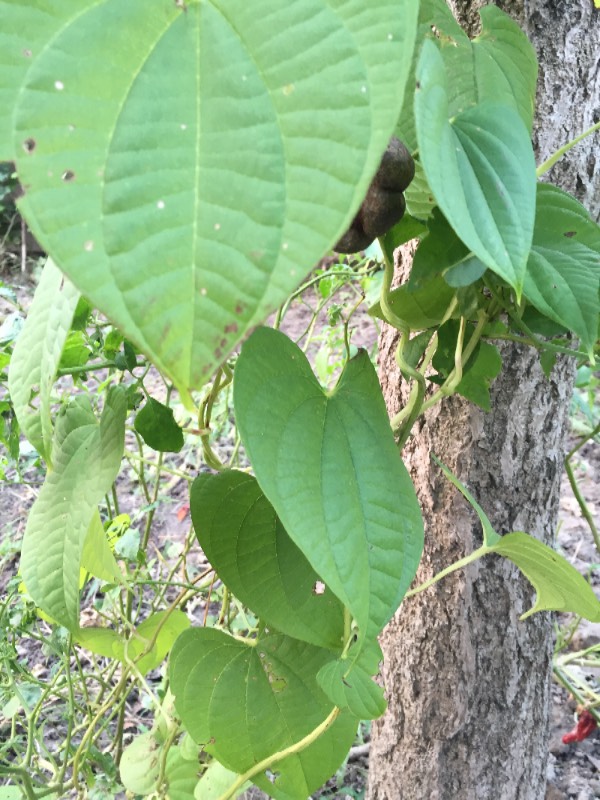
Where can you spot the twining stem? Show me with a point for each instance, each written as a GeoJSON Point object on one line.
{"type": "Point", "coordinates": [270, 761]}
{"type": "Point", "coordinates": [463, 562]}
{"type": "Point", "coordinates": [402, 426]}
{"type": "Point", "coordinates": [550, 162]}
{"type": "Point", "coordinates": [575, 488]}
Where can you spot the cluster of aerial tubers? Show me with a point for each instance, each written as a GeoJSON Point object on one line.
{"type": "Point", "coordinates": [384, 204]}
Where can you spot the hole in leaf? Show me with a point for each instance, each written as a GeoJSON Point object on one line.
{"type": "Point", "coordinates": [59, 85]}
{"type": "Point", "coordinates": [319, 588]}
{"type": "Point", "coordinates": [68, 176]}
{"type": "Point", "coordinates": [29, 145]}
{"type": "Point", "coordinates": [27, 53]}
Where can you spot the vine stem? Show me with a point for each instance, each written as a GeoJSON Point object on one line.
{"type": "Point", "coordinates": [550, 162]}
{"type": "Point", "coordinates": [270, 761]}
{"type": "Point", "coordinates": [575, 488]}
{"type": "Point", "coordinates": [463, 562]}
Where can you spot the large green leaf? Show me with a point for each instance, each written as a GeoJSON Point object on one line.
{"type": "Point", "coordinates": [481, 170]}
{"type": "Point", "coordinates": [563, 273]}
{"type": "Point", "coordinates": [499, 64]}
{"type": "Point", "coordinates": [354, 513]}
{"type": "Point", "coordinates": [246, 543]}
{"type": "Point", "coordinates": [37, 354]}
{"type": "Point", "coordinates": [86, 456]}
{"type": "Point", "coordinates": [245, 703]}
{"type": "Point", "coordinates": [186, 163]}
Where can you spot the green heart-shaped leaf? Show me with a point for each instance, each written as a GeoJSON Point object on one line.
{"type": "Point", "coordinates": [481, 170]}
{"type": "Point", "coordinates": [245, 703]}
{"type": "Point", "coordinates": [329, 465]}
{"type": "Point", "coordinates": [246, 543]}
{"type": "Point", "coordinates": [563, 273]}
{"type": "Point", "coordinates": [185, 164]}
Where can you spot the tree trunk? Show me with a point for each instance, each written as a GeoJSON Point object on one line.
{"type": "Point", "coordinates": [467, 683]}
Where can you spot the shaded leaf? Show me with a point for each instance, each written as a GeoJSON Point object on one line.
{"type": "Point", "coordinates": [163, 626]}
{"type": "Point", "coordinates": [247, 545]}
{"type": "Point", "coordinates": [438, 251]}
{"type": "Point", "coordinates": [420, 308]}
{"type": "Point", "coordinates": [86, 457]}
{"type": "Point", "coordinates": [156, 425]}
{"type": "Point", "coordinates": [139, 767]}
{"type": "Point", "coordinates": [97, 557]}
{"type": "Point", "coordinates": [181, 775]}
{"type": "Point", "coordinates": [215, 782]}
{"type": "Point", "coordinates": [37, 354]}
{"type": "Point", "coordinates": [350, 685]}
{"type": "Point", "coordinates": [75, 353]}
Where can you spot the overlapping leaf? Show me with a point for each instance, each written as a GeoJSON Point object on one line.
{"type": "Point", "coordinates": [155, 634]}
{"type": "Point", "coordinates": [37, 354]}
{"type": "Point", "coordinates": [481, 170]}
{"type": "Point", "coordinates": [86, 456]}
{"type": "Point", "coordinates": [354, 514]}
{"type": "Point", "coordinates": [245, 703]}
{"type": "Point", "coordinates": [499, 64]}
{"type": "Point", "coordinates": [563, 272]}
{"type": "Point", "coordinates": [246, 543]}
{"type": "Point", "coordinates": [421, 308]}
{"type": "Point", "coordinates": [188, 208]}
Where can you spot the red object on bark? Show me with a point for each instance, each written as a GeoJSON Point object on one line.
{"type": "Point", "coordinates": [586, 724]}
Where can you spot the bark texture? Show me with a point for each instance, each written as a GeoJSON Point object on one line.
{"type": "Point", "coordinates": [467, 683]}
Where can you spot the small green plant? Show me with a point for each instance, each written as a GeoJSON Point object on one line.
{"type": "Point", "coordinates": [187, 201]}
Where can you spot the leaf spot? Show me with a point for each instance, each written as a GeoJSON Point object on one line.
{"type": "Point", "coordinates": [29, 145]}
{"type": "Point", "coordinates": [203, 292]}
{"type": "Point", "coordinates": [363, 89]}
{"type": "Point", "coordinates": [71, 128]}
{"type": "Point", "coordinates": [570, 234]}
{"type": "Point", "coordinates": [59, 86]}
{"type": "Point", "coordinates": [88, 246]}
{"type": "Point", "coordinates": [27, 53]}
{"type": "Point", "coordinates": [231, 328]}
{"type": "Point", "coordinates": [239, 309]}
{"type": "Point", "coordinates": [68, 176]}
{"type": "Point", "coordinates": [288, 89]}
{"type": "Point", "coordinates": [160, 205]}
{"type": "Point", "coordinates": [217, 226]}
{"type": "Point", "coordinates": [318, 588]}
{"type": "Point", "coordinates": [285, 245]}
{"type": "Point", "coordinates": [183, 126]}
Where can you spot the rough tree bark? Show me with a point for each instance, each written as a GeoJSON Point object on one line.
{"type": "Point", "coordinates": [467, 683]}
